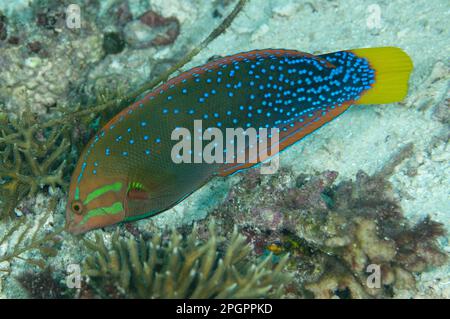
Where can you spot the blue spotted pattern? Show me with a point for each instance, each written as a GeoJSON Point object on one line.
{"type": "Point", "coordinates": [260, 89]}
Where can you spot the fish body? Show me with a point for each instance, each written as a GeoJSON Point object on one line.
{"type": "Point", "coordinates": [127, 171]}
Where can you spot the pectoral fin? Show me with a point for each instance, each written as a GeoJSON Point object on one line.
{"type": "Point", "coordinates": [136, 191]}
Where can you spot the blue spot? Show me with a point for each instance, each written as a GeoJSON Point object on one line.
{"type": "Point", "coordinates": [158, 140]}
{"type": "Point", "coordinates": [131, 142]}
{"type": "Point", "coordinates": [125, 153]}
{"type": "Point", "coordinates": [129, 130]}
{"type": "Point", "coordinates": [107, 151]}
{"type": "Point", "coordinates": [146, 137]}
{"type": "Point", "coordinates": [147, 152]}
{"type": "Point", "coordinates": [184, 91]}
{"type": "Point", "coordinates": [165, 111]}
{"type": "Point", "coordinates": [94, 172]}
{"type": "Point", "coordinates": [143, 123]}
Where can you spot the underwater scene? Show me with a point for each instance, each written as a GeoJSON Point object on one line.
{"type": "Point", "coordinates": [230, 149]}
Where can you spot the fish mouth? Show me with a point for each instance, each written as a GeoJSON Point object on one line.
{"type": "Point", "coordinates": [73, 228]}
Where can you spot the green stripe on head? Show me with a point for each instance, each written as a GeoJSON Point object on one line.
{"type": "Point", "coordinates": [115, 208]}
{"type": "Point", "coordinates": [115, 187]}
{"type": "Point", "coordinates": [77, 193]}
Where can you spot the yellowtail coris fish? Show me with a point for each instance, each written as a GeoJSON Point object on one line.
{"type": "Point", "coordinates": [126, 171]}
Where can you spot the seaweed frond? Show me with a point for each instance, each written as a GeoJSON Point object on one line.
{"type": "Point", "coordinates": [181, 267]}
{"type": "Point", "coordinates": [24, 236]}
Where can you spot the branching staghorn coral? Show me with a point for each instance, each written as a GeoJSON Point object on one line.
{"type": "Point", "coordinates": [25, 235]}
{"type": "Point", "coordinates": [31, 156]}
{"type": "Point", "coordinates": [181, 267]}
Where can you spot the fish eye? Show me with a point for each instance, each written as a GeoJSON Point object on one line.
{"type": "Point", "coordinates": [77, 207]}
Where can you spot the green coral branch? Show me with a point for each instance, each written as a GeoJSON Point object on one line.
{"type": "Point", "coordinates": [28, 161]}
{"type": "Point", "coordinates": [181, 267]}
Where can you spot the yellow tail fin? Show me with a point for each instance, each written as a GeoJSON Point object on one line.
{"type": "Point", "coordinates": [392, 69]}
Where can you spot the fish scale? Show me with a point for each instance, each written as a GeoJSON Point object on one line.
{"type": "Point", "coordinates": [292, 91]}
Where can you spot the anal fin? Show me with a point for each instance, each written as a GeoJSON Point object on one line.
{"type": "Point", "coordinates": [301, 127]}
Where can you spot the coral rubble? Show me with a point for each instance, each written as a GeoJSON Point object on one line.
{"type": "Point", "coordinates": [336, 235]}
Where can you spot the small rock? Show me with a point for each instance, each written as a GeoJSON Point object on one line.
{"type": "Point", "coordinates": [113, 43]}
{"type": "Point", "coordinates": [285, 10]}
{"type": "Point", "coordinates": [33, 62]}
{"type": "Point", "coordinates": [34, 46]}
{"type": "Point", "coordinates": [151, 29]}
{"type": "Point", "coordinates": [3, 27]}
{"type": "Point", "coordinates": [123, 14]}
{"type": "Point", "coordinates": [13, 40]}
